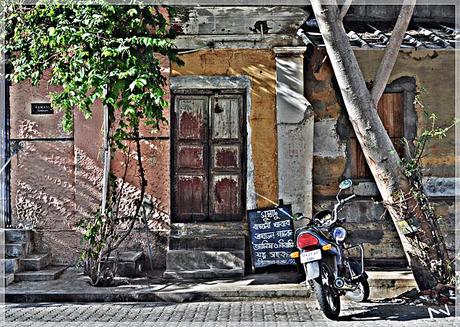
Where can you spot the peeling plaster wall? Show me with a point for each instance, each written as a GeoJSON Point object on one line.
{"type": "Point", "coordinates": [56, 178]}
{"type": "Point", "coordinates": [42, 173]}
{"type": "Point", "coordinates": [259, 66]}
{"type": "Point", "coordinates": [434, 70]}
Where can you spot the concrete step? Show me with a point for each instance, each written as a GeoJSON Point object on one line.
{"type": "Point", "coordinates": [15, 250]}
{"type": "Point", "coordinates": [7, 279]}
{"type": "Point", "coordinates": [387, 284]}
{"type": "Point", "coordinates": [10, 265]}
{"type": "Point", "coordinates": [198, 260]}
{"type": "Point", "coordinates": [51, 273]}
{"type": "Point", "coordinates": [129, 263]}
{"type": "Point", "coordinates": [228, 243]}
{"type": "Point", "coordinates": [203, 274]}
{"type": "Point", "coordinates": [216, 229]}
{"type": "Point", "coordinates": [13, 235]}
{"type": "Point", "coordinates": [35, 261]}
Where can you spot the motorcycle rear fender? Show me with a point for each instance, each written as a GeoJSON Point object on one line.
{"type": "Point", "coordinates": [312, 270]}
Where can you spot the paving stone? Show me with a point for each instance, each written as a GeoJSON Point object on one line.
{"type": "Point", "coordinates": [247, 313]}
{"type": "Point", "coordinates": [203, 273]}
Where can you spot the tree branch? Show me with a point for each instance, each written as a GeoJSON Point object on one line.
{"type": "Point", "coordinates": [344, 9]}
{"type": "Point", "coordinates": [392, 50]}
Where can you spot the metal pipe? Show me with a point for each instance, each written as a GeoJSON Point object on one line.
{"type": "Point", "coordinates": [4, 194]}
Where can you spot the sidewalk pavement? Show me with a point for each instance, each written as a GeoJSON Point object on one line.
{"type": "Point", "coordinates": [72, 286]}
{"type": "Point", "coordinates": [267, 313]}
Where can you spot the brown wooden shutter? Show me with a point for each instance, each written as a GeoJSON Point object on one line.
{"type": "Point", "coordinates": [391, 111]}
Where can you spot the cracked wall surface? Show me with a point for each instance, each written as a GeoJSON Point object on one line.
{"type": "Point", "coordinates": [430, 69]}
{"type": "Point", "coordinates": [56, 177]}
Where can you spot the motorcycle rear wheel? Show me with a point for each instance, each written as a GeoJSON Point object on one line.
{"type": "Point", "coordinates": [361, 294]}
{"type": "Point", "coordinates": [328, 299]}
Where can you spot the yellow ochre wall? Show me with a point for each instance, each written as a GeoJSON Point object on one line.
{"type": "Point", "coordinates": [259, 66]}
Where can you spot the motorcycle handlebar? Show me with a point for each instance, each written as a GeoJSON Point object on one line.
{"type": "Point", "coordinates": [348, 199]}
{"type": "Point", "coordinates": [341, 202]}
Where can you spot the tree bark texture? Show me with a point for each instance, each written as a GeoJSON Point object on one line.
{"type": "Point", "coordinates": [392, 50]}
{"type": "Point", "coordinates": [424, 247]}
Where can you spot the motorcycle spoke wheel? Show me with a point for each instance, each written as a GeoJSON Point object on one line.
{"type": "Point", "coordinates": [328, 299]}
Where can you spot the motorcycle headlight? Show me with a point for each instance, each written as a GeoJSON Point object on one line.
{"type": "Point", "coordinates": [339, 234]}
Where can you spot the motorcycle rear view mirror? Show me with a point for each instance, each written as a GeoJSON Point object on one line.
{"type": "Point", "coordinates": [347, 183]}
{"type": "Point", "coordinates": [298, 216]}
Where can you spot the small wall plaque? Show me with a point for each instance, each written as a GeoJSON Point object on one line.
{"type": "Point", "coordinates": [42, 109]}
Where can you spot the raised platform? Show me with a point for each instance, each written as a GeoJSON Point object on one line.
{"type": "Point", "coordinates": [74, 287]}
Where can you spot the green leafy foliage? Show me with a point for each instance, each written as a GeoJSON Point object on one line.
{"type": "Point", "coordinates": [96, 52]}
{"type": "Point", "coordinates": [415, 151]}
{"type": "Point", "coordinates": [102, 51]}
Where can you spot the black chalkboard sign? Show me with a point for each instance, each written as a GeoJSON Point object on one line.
{"type": "Point", "coordinates": [41, 109]}
{"type": "Point", "coordinates": [271, 234]}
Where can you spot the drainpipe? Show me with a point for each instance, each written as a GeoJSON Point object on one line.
{"type": "Point", "coordinates": [4, 160]}
{"type": "Point", "coordinates": [106, 171]}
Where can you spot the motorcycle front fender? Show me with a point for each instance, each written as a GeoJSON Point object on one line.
{"type": "Point", "coordinates": [312, 270]}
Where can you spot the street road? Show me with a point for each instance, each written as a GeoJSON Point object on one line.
{"type": "Point", "coordinates": [260, 313]}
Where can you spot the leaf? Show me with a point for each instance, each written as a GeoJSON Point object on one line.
{"type": "Point", "coordinates": [51, 31]}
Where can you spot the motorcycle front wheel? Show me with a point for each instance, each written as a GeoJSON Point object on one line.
{"type": "Point", "coordinates": [328, 299]}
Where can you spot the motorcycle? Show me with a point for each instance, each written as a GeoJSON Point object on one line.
{"type": "Point", "coordinates": [330, 270]}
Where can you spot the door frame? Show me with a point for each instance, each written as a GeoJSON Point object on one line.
{"type": "Point", "coordinates": [243, 148]}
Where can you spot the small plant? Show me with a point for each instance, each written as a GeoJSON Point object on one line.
{"type": "Point", "coordinates": [416, 202]}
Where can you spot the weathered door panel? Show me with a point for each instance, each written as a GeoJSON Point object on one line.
{"type": "Point", "coordinates": [226, 157]}
{"type": "Point", "coordinates": [190, 167]}
{"type": "Point", "coordinates": [391, 111]}
{"type": "Point", "coordinates": [191, 197]}
{"type": "Point", "coordinates": [225, 113]}
{"type": "Point", "coordinates": [191, 113]}
{"type": "Point", "coordinates": [190, 156]}
{"type": "Point", "coordinates": [225, 190]}
{"type": "Point", "coordinates": [225, 197]}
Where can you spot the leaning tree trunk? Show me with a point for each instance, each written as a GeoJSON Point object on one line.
{"type": "Point", "coordinates": [417, 229]}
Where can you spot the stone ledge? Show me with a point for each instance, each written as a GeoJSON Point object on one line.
{"type": "Point", "coordinates": [439, 187]}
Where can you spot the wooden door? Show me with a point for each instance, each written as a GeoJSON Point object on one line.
{"type": "Point", "coordinates": [208, 158]}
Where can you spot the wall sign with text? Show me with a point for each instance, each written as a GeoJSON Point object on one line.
{"type": "Point", "coordinates": [42, 109]}
{"type": "Point", "coordinates": [271, 234]}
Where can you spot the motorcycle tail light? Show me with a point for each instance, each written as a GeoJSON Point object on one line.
{"type": "Point", "coordinates": [306, 240]}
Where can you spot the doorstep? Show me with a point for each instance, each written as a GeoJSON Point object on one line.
{"type": "Point", "coordinates": [72, 286]}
